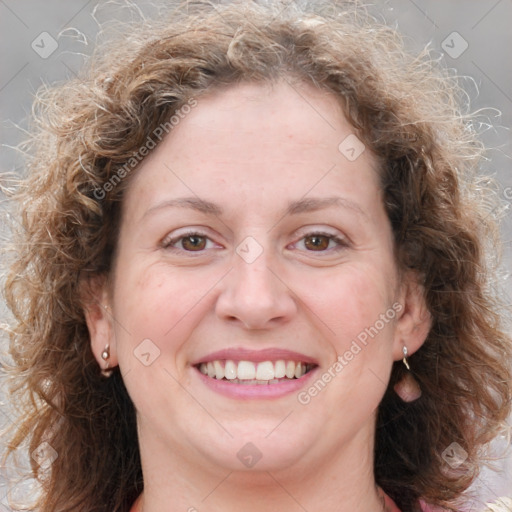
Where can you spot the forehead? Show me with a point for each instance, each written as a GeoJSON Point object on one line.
{"type": "Point", "coordinates": [250, 116]}
{"type": "Point", "coordinates": [257, 138]}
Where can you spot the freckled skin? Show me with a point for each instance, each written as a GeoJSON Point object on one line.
{"type": "Point", "coordinates": [251, 149]}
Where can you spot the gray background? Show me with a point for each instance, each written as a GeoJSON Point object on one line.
{"type": "Point", "coordinates": [484, 26]}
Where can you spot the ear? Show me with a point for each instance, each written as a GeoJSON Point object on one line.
{"type": "Point", "coordinates": [99, 319]}
{"type": "Point", "coordinates": [414, 319]}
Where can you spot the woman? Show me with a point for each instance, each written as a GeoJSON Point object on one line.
{"type": "Point", "coordinates": [253, 275]}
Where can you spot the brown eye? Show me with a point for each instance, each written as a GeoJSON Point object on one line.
{"type": "Point", "coordinates": [317, 242]}
{"type": "Point", "coordinates": [193, 242]}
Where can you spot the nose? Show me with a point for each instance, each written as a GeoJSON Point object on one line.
{"type": "Point", "coordinates": [255, 295]}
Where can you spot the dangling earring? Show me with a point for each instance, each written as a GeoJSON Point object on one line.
{"type": "Point", "coordinates": [105, 355]}
{"type": "Point", "coordinates": [407, 388]}
{"type": "Point", "coordinates": [404, 360]}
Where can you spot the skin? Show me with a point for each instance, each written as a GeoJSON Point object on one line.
{"type": "Point", "coordinates": [252, 150]}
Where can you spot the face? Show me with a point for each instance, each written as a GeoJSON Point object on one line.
{"type": "Point", "coordinates": [255, 293]}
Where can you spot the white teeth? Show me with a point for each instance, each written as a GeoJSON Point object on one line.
{"type": "Point", "coordinates": [279, 369]}
{"type": "Point", "coordinates": [265, 371]}
{"type": "Point", "coordinates": [230, 370]}
{"type": "Point", "coordinates": [248, 372]}
{"type": "Point", "coordinates": [219, 370]}
{"type": "Point", "coordinates": [290, 369]}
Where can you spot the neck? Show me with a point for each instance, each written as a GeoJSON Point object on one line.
{"type": "Point", "coordinates": [342, 481]}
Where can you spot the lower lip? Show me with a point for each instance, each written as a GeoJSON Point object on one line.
{"type": "Point", "coordinates": [245, 391]}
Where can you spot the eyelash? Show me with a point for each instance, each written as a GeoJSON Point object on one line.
{"type": "Point", "coordinates": [341, 242]}
{"type": "Point", "coordinates": [169, 242]}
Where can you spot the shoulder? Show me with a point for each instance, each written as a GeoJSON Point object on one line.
{"type": "Point", "coordinates": [425, 507]}
{"type": "Point", "coordinates": [392, 507]}
{"type": "Point", "coordinates": [136, 505]}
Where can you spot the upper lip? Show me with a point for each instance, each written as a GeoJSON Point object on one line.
{"type": "Point", "coordinates": [245, 354]}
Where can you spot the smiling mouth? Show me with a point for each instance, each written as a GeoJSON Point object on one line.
{"type": "Point", "coordinates": [255, 373]}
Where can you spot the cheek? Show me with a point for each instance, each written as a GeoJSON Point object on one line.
{"type": "Point", "coordinates": [160, 304]}
{"type": "Point", "coordinates": [357, 308]}
{"type": "Point", "coordinates": [348, 302]}
{"type": "Point", "coordinates": [157, 310]}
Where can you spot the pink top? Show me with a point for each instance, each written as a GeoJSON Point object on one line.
{"type": "Point", "coordinates": [135, 506]}
{"type": "Point", "coordinates": [390, 505]}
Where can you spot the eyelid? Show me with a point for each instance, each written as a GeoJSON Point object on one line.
{"type": "Point", "coordinates": [178, 234]}
{"type": "Point", "coordinates": [335, 235]}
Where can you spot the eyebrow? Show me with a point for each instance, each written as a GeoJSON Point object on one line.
{"type": "Point", "coordinates": [194, 203]}
{"type": "Point", "coordinates": [304, 205]}
{"type": "Point", "coordinates": [311, 204]}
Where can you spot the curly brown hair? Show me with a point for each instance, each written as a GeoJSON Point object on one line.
{"type": "Point", "coordinates": [404, 107]}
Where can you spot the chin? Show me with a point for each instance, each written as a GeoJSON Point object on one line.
{"type": "Point", "coordinates": [254, 452]}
